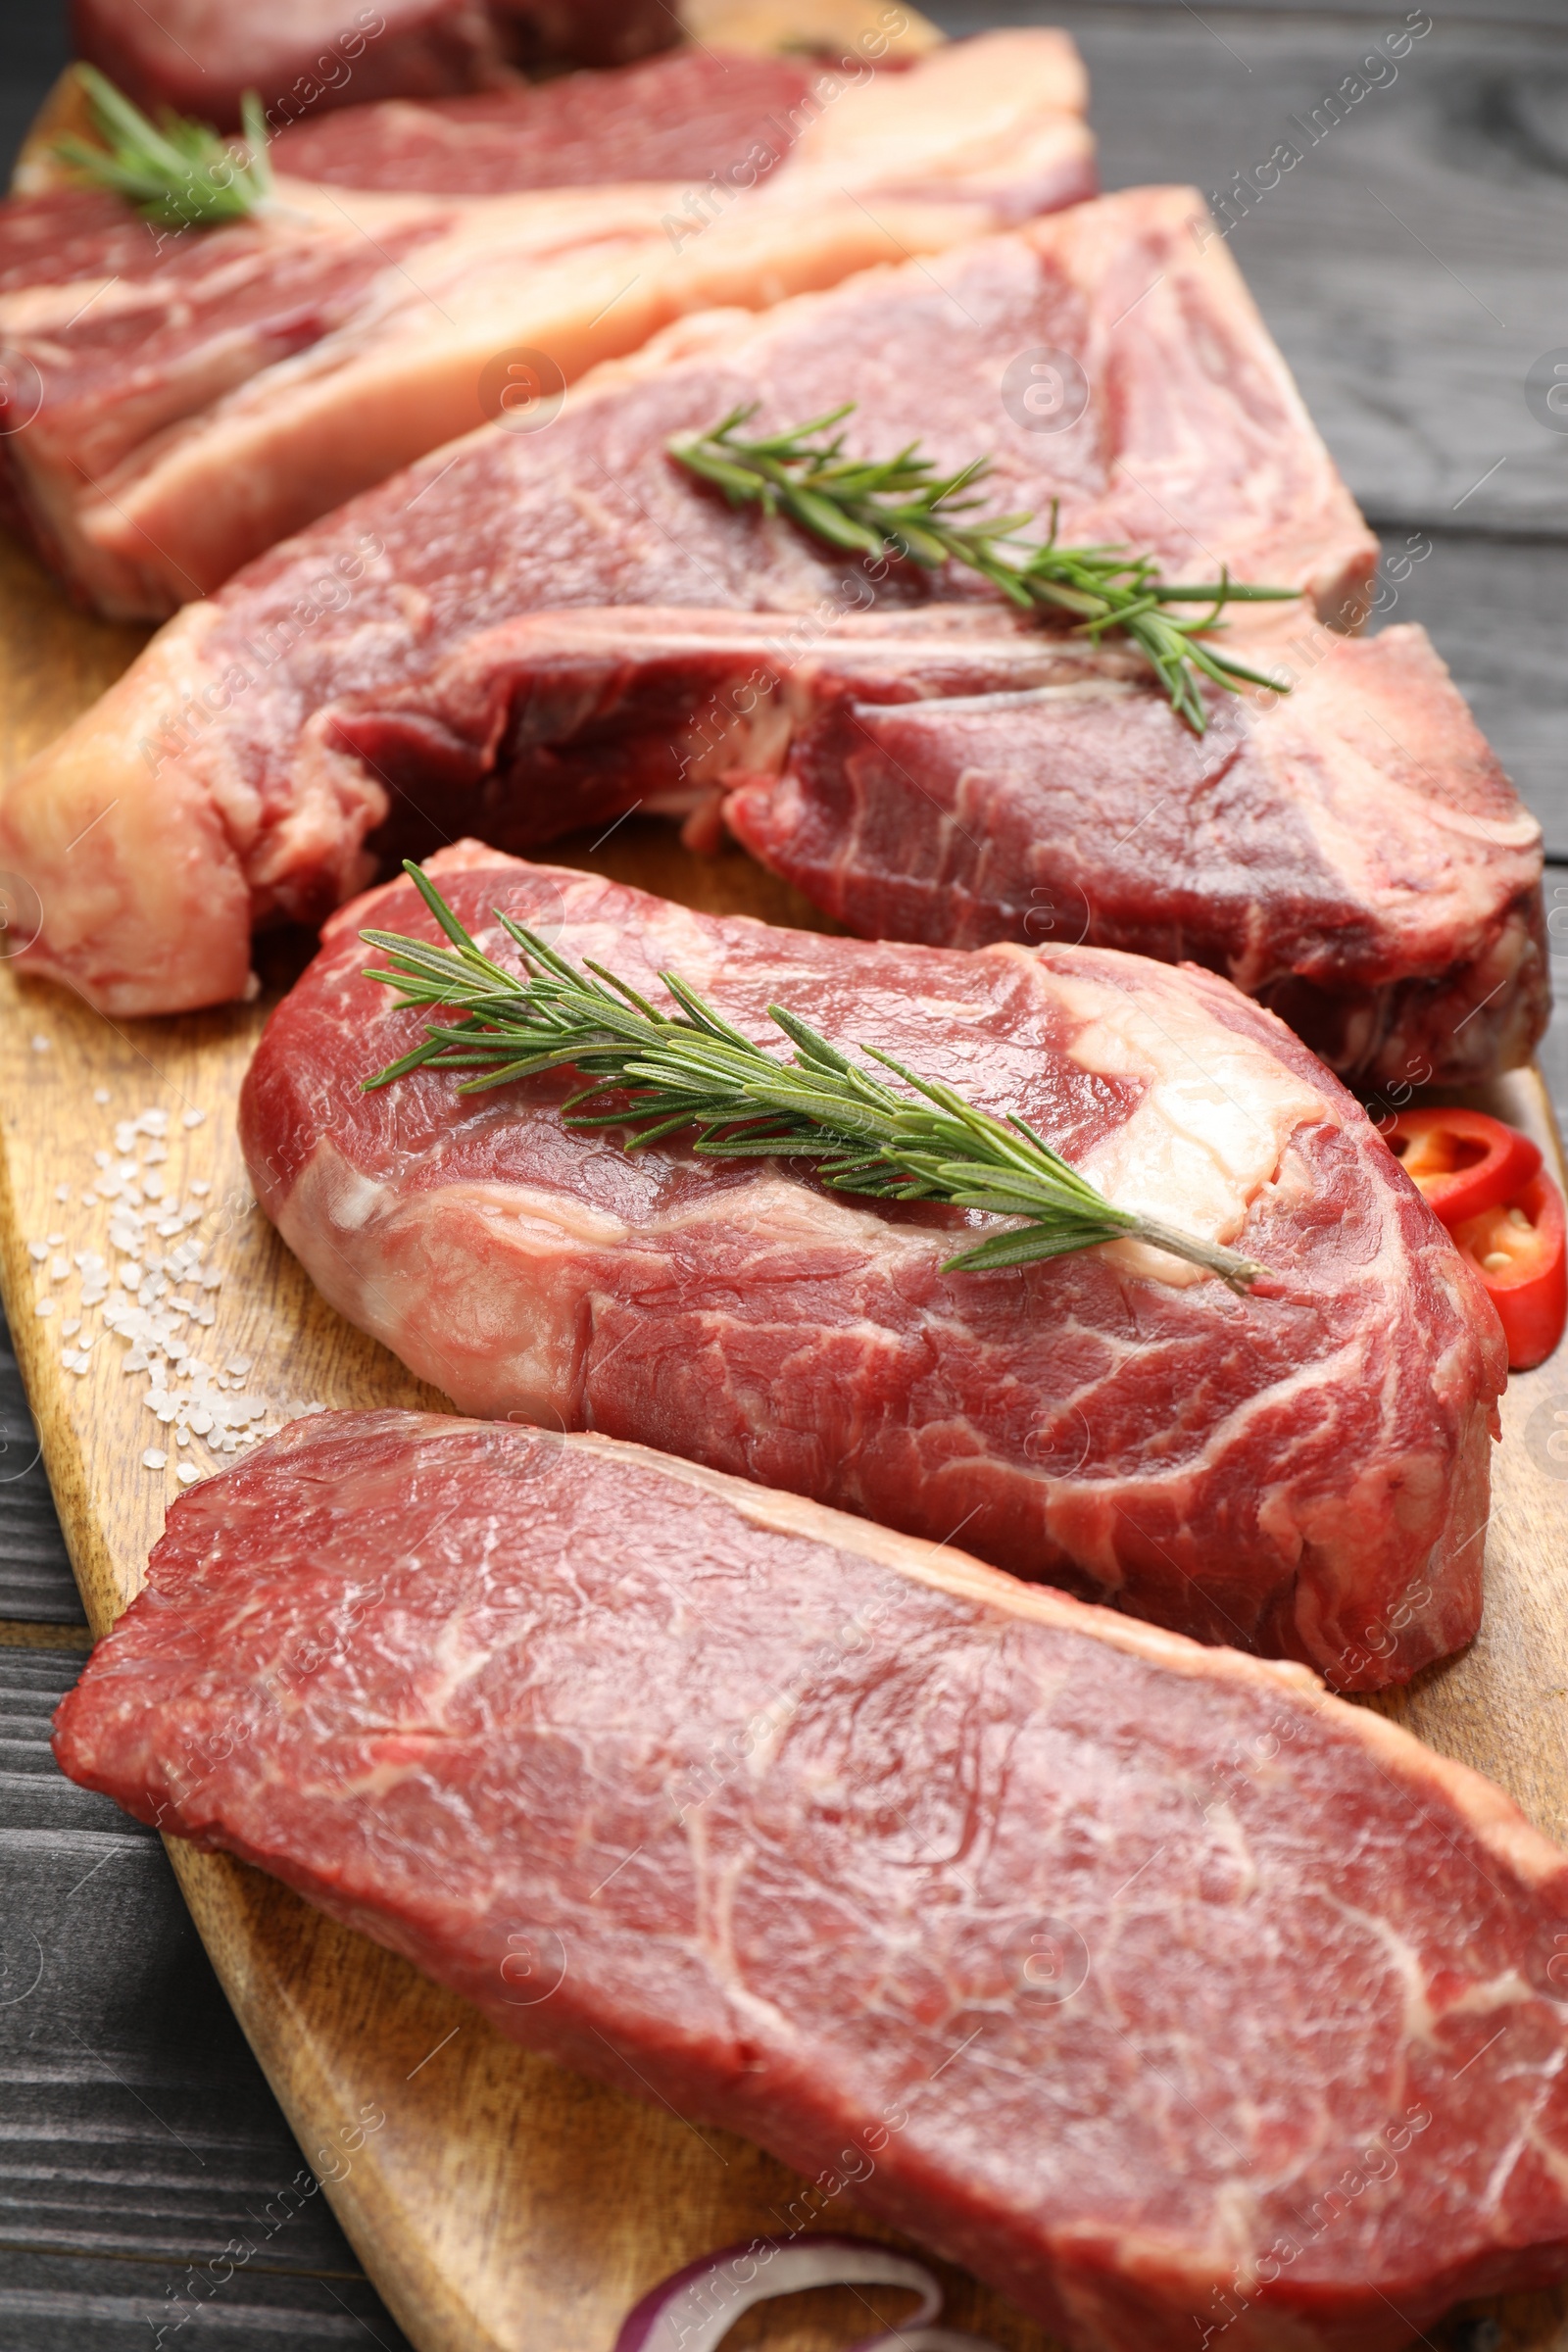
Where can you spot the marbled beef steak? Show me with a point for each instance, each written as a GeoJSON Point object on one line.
{"type": "Point", "coordinates": [1302, 1471]}
{"type": "Point", "coordinates": [235, 774]}
{"type": "Point", "coordinates": [178, 403]}
{"type": "Point", "coordinates": [1182, 2003]}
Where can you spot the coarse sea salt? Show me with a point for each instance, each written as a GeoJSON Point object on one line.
{"type": "Point", "coordinates": [157, 1301]}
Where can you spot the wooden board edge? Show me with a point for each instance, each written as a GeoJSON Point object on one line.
{"type": "Point", "coordinates": [62, 1460]}
{"type": "Point", "coordinates": [220, 1895]}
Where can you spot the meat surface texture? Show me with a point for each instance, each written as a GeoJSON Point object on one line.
{"type": "Point", "coordinates": [692, 115]}
{"type": "Point", "coordinates": [1176, 2000]}
{"type": "Point", "coordinates": [201, 56]}
{"type": "Point", "coordinates": [222, 778]}
{"type": "Point", "coordinates": [951, 775]}
{"type": "Point", "coordinates": [1302, 1472]}
{"type": "Point", "coordinates": [1351, 854]}
{"type": "Point", "coordinates": [197, 396]}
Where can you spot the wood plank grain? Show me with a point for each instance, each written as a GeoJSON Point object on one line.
{"type": "Point", "coordinates": [1409, 264]}
{"type": "Point", "coordinates": [144, 2157]}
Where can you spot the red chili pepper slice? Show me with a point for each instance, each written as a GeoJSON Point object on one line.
{"type": "Point", "coordinates": [1462, 1160]}
{"type": "Point", "coordinates": [1520, 1252]}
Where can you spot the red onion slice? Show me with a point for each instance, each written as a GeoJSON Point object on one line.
{"type": "Point", "coordinates": [695, 2309]}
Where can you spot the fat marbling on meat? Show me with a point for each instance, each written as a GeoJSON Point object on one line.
{"type": "Point", "coordinates": [238, 770]}
{"type": "Point", "coordinates": [1301, 1471]}
{"type": "Point", "coordinates": [1181, 2002]}
{"type": "Point", "coordinates": [179, 401]}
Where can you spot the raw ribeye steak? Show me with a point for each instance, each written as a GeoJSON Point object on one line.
{"type": "Point", "coordinates": [220, 782]}
{"type": "Point", "coordinates": [1302, 1472]}
{"type": "Point", "coordinates": [1179, 2001]}
{"type": "Point", "coordinates": [213, 390]}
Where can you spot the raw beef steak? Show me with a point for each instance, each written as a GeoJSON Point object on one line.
{"type": "Point", "coordinates": [690, 116]}
{"type": "Point", "coordinates": [712, 120]}
{"type": "Point", "coordinates": [953, 775]}
{"type": "Point", "coordinates": [214, 390]}
{"type": "Point", "coordinates": [1179, 2001]}
{"type": "Point", "coordinates": [219, 778]}
{"type": "Point", "coordinates": [1302, 1472]}
{"type": "Point", "coordinates": [1406, 947]}
{"type": "Point", "coordinates": [306, 56]}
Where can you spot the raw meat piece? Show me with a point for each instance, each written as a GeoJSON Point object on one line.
{"type": "Point", "coordinates": [1026, 786]}
{"type": "Point", "coordinates": [233, 383]}
{"type": "Point", "coordinates": [1406, 947]}
{"type": "Point", "coordinates": [685, 118]}
{"type": "Point", "coordinates": [1303, 1472]}
{"type": "Point", "coordinates": [201, 56]}
{"type": "Point", "coordinates": [223, 738]}
{"type": "Point", "coordinates": [1179, 2001]}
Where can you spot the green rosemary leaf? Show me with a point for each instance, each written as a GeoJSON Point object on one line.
{"type": "Point", "coordinates": [180, 174]}
{"type": "Point", "coordinates": [653, 1074]}
{"type": "Point", "coordinates": [902, 506]}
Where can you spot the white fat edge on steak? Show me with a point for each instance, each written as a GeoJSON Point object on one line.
{"type": "Point", "coordinates": [1213, 1127]}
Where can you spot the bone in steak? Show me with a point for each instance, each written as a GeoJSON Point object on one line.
{"type": "Point", "coordinates": [304, 57]}
{"type": "Point", "coordinates": [221, 776]}
{"type": "Point", "coordinates": [1302, 1471]}
{"type": "Point", "coordinates": [1179, 2001]}
{"type": "Point", "coordinates": [211, 391]}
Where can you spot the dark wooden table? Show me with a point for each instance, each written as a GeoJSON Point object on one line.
{"type": "Point", "coordinates": [1414, 267]}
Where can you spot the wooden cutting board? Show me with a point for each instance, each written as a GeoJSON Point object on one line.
{"type": "Point", "coordinates": [500, 2204]}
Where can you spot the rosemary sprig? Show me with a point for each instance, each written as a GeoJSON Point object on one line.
{"type": "Point", "coordinates": [901, 506]}
{"type": "Point", "coordinates": [180, 174]}
{"type": "Point", "coordinates": [689, 1068]}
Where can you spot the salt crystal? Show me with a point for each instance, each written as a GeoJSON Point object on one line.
{"type": "Point", "coordinates": [44, 1306]}
{"type": "Point", "coordinates": [154, 1458]}
{"type": "Point", "coordinates": [179, 1350]}
{"type": "Point", "coordinates": [59, 1268]}
{"type": "Point", "coordinates": [153, 1122]}
{"type": "Point", "coordinates": [130, 1276]}
{"type": "Point", "coordinates": [71, 1326]}
{"type": "Point", "coordinates": [56, 1241]}
{"type": "Point", "coordinates": [211, 1279]}
{"type": "Point", "coordinates": [90, 1200]}
{"type": "Point", "coordinates": [61, 1191]}
{"type": "Point", "coordinates": [166, 1414]}
{"type": "Point", "coordinates": [193, 1117]}
{"type": "Point", "coordinates": [93, 1297]}
{"type": "Point", "coordinates": [155, 1155]}
{"type": "Point", "coordinates": [38, 1251]}
{"type": "Point", "coordinates": [201, 1186]}
{"type": "Point", "coordinates": [101, 1159]}
{"type": "Point", "coordinates": [189, 1473]}
{"type": "Point", "coordinates": [240, 1364]}
{"type": "Point", "coordinates": [135, 1361]}
{"type": "Point", "coordinates": [81, 1364]}
{"type": "Point", "coordinates": [100, 1094]}
{"type": "Point", "coordinates": [40, 1044]}
{"type": "Point", "coordinates": [201, 1422]}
